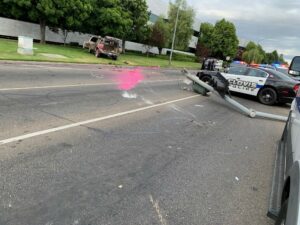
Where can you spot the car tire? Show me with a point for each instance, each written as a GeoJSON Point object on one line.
{"type": "Point", "coordinates": [97, 53]}
{"type": "Point", "coordinates": [206, 78]}
{"type": "Point", "coordinates": [281, 220]}
{"type": "Point", "coordinates": [267, 96]}
{"type": "Point", "coordinates": [115, 58]}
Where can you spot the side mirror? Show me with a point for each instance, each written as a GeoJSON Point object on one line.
{"type": "Point", "coordinates": [294, 69]}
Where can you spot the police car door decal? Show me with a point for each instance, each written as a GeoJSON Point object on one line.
{"type": "Point", "coordinates": [245, 84]}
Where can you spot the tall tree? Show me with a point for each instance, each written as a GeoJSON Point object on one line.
{"type": "Point", "coordinates": [75, 12]}
{"type": "Point", "coordinates": [275, 55]}
{"type": "Point", "coordinates": [269, 58]}
{"type": "Point", "coordinates": [251, 45]}
{"type": "Point", "coordinates": [107, 18]}
{"type": "Point", "coordinates": [137, 11]}
{"type": "Point", "coordinates": [281, 59]}
{"type": "Point", "coordinates": [159, 35]}
{"type": "Point", "coordinates": [204, 45]}
{"type": "Point", "coordinates": [224, 39]}
{"type": "Point", "coordinates": [253, 56]}
{"type": "Point", "coordinates": [254, 53]}
{"type": "Point", "coordinates": [49, 12]}
{"type": "Point", "coordinates": [185, 23]}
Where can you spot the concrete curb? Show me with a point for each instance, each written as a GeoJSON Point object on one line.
{"type": "Point", "coordinates": [85, 65]}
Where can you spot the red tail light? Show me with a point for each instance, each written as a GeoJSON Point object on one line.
{"type": "Point", "coordinates": [296, 88]}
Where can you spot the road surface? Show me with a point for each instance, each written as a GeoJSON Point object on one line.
{"type": "Point", "coordinates": [75, 149]}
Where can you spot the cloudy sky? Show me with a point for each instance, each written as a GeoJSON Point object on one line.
{"type": "Point", "coordinates": [273, 23]}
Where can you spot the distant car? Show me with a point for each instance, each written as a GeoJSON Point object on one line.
{"type": "Point", "coordinates": [285, 192]}
{"type": "Point", "coordinates": [269, 86]}
{"type": "Point", "coordinates": [91, 43]}
{"type": "Point", "coordinates": [108, 47]}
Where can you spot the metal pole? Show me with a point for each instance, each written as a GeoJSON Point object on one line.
{"type": "Point", "coordinates": [250, 112]}
{"type": "Point", "coordinates": [174, 34]}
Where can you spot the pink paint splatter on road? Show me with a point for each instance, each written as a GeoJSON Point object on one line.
{"type": "Point", "coordinates": [129, 79]}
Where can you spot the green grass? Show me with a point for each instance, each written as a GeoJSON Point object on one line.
{"type": "Point", "coordinates": [8, 51]}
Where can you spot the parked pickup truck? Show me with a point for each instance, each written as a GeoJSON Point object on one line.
{"type": "Point", "coordinates": [285, 193]}
{"type": "Point", "coordinates": [91, 43]}
{"type": "Point", "coordinates": [107, 47]}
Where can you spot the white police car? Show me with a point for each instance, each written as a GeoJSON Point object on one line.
{"type": "Point", "coordinates": [270, 86]}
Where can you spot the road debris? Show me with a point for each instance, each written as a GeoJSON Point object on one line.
{"type": "Point", "coordinates": [129, 95]}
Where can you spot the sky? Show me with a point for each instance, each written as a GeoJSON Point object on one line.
{"type": "Point", "coordinates": [275, 24]}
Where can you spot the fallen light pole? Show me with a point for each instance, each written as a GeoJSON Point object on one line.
{"type": "Point", "coordinates": [203, 88]}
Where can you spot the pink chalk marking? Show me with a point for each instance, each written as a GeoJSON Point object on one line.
{"type": "Point", "coordinates": [129, 79]}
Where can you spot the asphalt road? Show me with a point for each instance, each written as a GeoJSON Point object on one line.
{"type": "Point", "coordinates": [75, 149]}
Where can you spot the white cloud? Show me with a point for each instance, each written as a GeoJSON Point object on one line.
{"type": "Point", "coordinates": [273, 23]}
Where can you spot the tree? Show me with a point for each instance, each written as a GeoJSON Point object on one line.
{"type": "Point", "coordinates": [137, 11]}
{"type": "Point", "coordinates": [75, 12]}
{"type": "Point", "coordinates": [224, 40]}
{"type": "Point", "coordinates": [185, 23]}
{"type": "Point", "coordinates": [281, 59]}
{"type": "Point", "coordinates": [269, 58]}
{"type": "Point", "coordinates": [275, 55]}
{"type": "Point", "coordinates": [107, 18]}
{"type": "Point", "coordinates": [148, 42]}
{"type": "Point", "coordinates": [254, 53]}
{"type": "Point", "coordinates": [68, 13]}
{"type": "Point", "coordinates": [206, 32]}
{"type": "Point", "coordinates": [251, 45]}
{"type": "Point", "coordinates": [253, 56]}
{"type": "Point", "coordinates": [262, 53]}
{"type": "Point", "coordinates": [204, 44]}
{"type": "Point", "coordinates": [159, 34]}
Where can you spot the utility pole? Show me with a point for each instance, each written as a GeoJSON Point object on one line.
{"type": "Point", "coordinates": [174, 34]}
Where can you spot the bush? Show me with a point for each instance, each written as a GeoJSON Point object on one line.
{"type": "Point", "coordinates": [185, 58]}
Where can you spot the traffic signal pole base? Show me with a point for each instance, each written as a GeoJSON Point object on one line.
{"type": "Point", "coordinates": [202, 88]}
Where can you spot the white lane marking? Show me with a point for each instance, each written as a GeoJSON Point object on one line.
{"type": "Point", "coordinates": [148, 102]}
{"type": "Point", "coordinates": [81, 85]}
{"type": "Point", "coordinates": [155, 205]}
{"type": "Point", "coordinates": [51, 130]}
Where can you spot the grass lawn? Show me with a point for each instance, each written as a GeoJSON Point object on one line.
{"type": "Point", "coordinates": [8, 51]}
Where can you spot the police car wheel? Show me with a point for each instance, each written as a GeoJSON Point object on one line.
{"type": "Point", "coordinates": [267, 96]}
{"type": "Point", "coordinates": [206, 79]}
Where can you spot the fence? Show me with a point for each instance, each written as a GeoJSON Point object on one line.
{"type": "Point", "coordinates": [15, 28]}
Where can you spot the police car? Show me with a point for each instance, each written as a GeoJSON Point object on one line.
{"type": "Point", "coordinates": [285, 193]}
{"type": "Point", "coordinates": [269, 86]}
